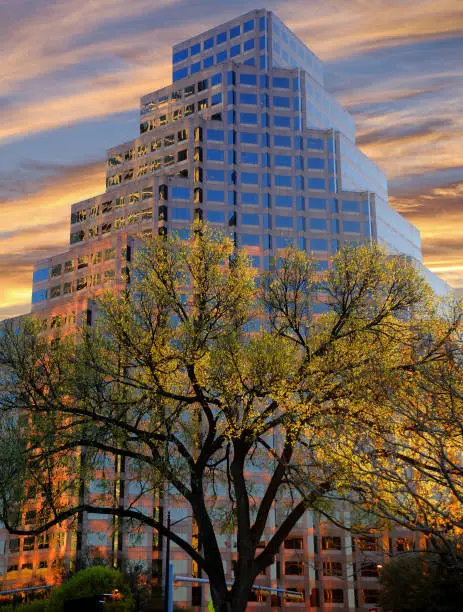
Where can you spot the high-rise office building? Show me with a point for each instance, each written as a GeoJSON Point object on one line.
{"type": "Point", "coordinates": [247, 138]}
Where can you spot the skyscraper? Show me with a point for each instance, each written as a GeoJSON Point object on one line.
{"type": "Point", "coordinates": [247, 138]}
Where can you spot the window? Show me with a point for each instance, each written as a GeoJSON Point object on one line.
{"type": "Point", "coordinates": [13, 545]}
{"type": "Point", "coordinates": [317, 244]}
{"type": "Point", "coordinates": [316, 183]}
{"type": "Point", "coordinates": [182, 155]}
{"type": "Point", "coordinates": [179, 56]}
{"type": "Point", "coordinates": [367, 543]}
{"type": "Point", "coordinates": [249, 138]}
{"type": "Point", "coordinates": [221, 38]}
{"type": "Point", "coordinates": [317, 224]}
{"type": "Point", "coordinates": [331, 543]}
{"type": "Point", "coordinates": [39, 296]}
{"type": "Point", "coordinates": [315, 163]}
{"type": "Point", "coordinates": [29, 543]}
{"type": "Point", "coordinates": [300, 203]}
{"type": "Point", "coordinates": [181, 214]}
{"type": "Point", "coordinates": [369, 570]}
{"type": "Point", "coordinates": [281, 102]}
{"type": "Point", "coordinates": [248, 26]}
{"type": "Point", "coordinates": [235, 31]}
{"type": "Point", "coordinates": [180, 74]}
{"type": "Point", "coordinates": [196, 67]}
{"type": "Point", "coordinates": [215, 175]}
{"type": "Point", "coordinates": [44, 541]}
{"type": "Point", "coordinates": [281, 121]}
{"type": "Point", "coordinates": [351, 226]}
{"type": "Point", "coordinates": [208, 44]}
{"type": "Point", "coordinates": [195, 49]}
{"type": "Point", "coordinates": [215, 155]}
{"type": "Point", "coordinates": [250, 240]}
{"type": "Point", "coordinates": [248, 45]}
{"type": "Point", "coordinates": [248, 98]}
{"type": "Point", "coordinates": [250, 198]}
{"type": "Point", "coordinates": [208, 61]}
{"type": "Point", "coordinates": [249, 219]}
{"type": "Point", "coordinates": [221, 57]}
{"type": "Point", "coordinates": [332, 568]}
{"type": "Point", "coordinates": [333, 595]}
{"type": "Point", "coordinates": [215, 216]}
{"type": "Point", "coordinates": [283, 201]}
{"type": "Point", "coordinates": [294, 568]}
{"type": "Point", "coordinates": [248, 118]}
{"type": "Point", "coordinates": [282, 141]}
{"type": "Point", "coordinates": [293, 544]}
{"type": "Point", "coordinates": [180, 193]}
{"type": "Point", "coordinates": [351, 206]}
{"type": "Point", "coordinates": [216, 99]}
{"type": "Point", "coordinates": [42, 564]}
{"type": "Point", "coordinates": [280, 82]}
{"type": "Point", "coordinates": [315, 143]}
{"type": "Point", "coordinates": [282, 180]}
{"type": "Point", "coordinates": [26, 566]}
{"type": "Point", "coordinates": [40, 275]}
{"type": "Point", "coordinates": [370, 596]}
{"type": "Point", "coordinates": [283, 161]}
{"type": "Point", "coordinates": [249, 158]}
{"type": "Point", "coordinates": [403, 544]}
{"type": "Point", "coordinates": [335, 226]}
{"type": "Point", "coordinates": [249, 178]}
{"type": "Point", "coordinates": [317, 203]}
{"type": "Point", "coordinates": [248, 79]}
{"type": "Point", "coordinates": [235, 50]}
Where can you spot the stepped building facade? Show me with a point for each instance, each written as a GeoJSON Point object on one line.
{"type": "Point", "coordinates": [247, 138]}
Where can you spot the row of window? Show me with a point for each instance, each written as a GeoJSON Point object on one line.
{"type": "Point", "coordinates": [83, 261]}
{"type": "Point", "coordinates": [208, 43]}
{"type": "Point", "coordinates": [143, 149]}
{"type": "Point", "coordinates": [27, 566]}
{"type": "Point", "coordinates": [140, 216]}
{"type": "Point", "coordinates": [184, 92]}
{"type": "Point", "coordinates": [129, 199]}
{"type": "Point", "coordinates": [40, 542]}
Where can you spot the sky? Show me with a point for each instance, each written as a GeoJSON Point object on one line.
{"type": "Point", "coordinates": [72, 73]}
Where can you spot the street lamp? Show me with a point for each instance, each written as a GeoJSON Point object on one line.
{"type": "Point", "coordinates": [168, 578]}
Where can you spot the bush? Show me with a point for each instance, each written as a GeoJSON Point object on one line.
{"type": "Point", "coordinates": [90, 582]}
{"type": "Point", "coordinates": [33, 606]}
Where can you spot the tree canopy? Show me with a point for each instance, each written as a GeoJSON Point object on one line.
{"type": "Point", "coordinates": [299, 386]}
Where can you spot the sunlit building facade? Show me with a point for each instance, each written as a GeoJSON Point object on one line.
{"type": "Point", "coordinates": [247, 138]}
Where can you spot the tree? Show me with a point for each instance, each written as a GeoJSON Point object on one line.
{"type": "Point", "coordinates": [420, 582]}
{"type": "Point", "coordinates": [199, 375]}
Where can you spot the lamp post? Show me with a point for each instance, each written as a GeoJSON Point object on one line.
{"type": "Point", "coordinates": [168, 578]}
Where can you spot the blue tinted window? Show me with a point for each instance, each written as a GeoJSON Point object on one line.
{"type": "Point", "coordinates": [215, 195]}
{"type": "Point", "coordinates": [315, 143]}
{"type": "Point", "coordinates": [248, 118]}
{"type": "Point", "coordinates": [266, 181]}
{"type": "Point", "coordinates": [250, 198]}
{"type": "Point", "coordinates": [221, 38]}
{"type": "Point", "coordinates": [264, 100]}
{"type": "Point", "coordinates": [267, 221]}
{"type": "Point", "coordinates": [283, 222]}
{"type": "Point", "coordinates": [215, 135]}
{"type": "Point", "coordinates": [235, 50]}
{"type": "Point", "coordinates": [351, 226]}
{"type": "Point", "coordinates": [331, 165]}
{"type": "Point", "coordinates": [284, 161]}
{"type": "Point", "coordinates": [39, 296]}
{"type": "Point", "coordinates": [264, 120]}
{"type": "Point", "coordinates": [317, 203]}
{"type": "Point", "coordinates": [183, 234]}
{"type": "Point", "coordinates": [335, 226]}
{"type": "Point", "coordinates": [322, 264]}
{"type": "Point", "coordinates": [298, 142]}
{"type": "Point", "coordinates": [331, 145]}
{"type": "Point", "coordinates": [195, 67]}
{"type": "Point", "coordinates": [262, 24]}
{"type": "Point", "coordinates": [235, 31]}
{"type": "Point", "coordinates": [320, 308]}
{"type": "Point", "coordinates": [221, 57]}
{"type": "Point", "coordinates": [195, 49]}
{"type": "Point", "coordinates": [250, 219]}
{"type": "Point", "coordinates": [231, 97]}
{"type": "Point", "coordinates": [249, 44]}
{"type": "Point", "coordinates": [216, 79]}
{"type": "Point", "coordinates": [231, 156]}
{"type": "Point", "coordinates": [264, 81]}
{"type": "Point", "coordinates": [334, 206]}
{"type": "Point", "coordinates": [316, 183]}
{"type": "Point", "coordinates": [296, 84]}
{"type": "Point", "coordinates": [367, 228]}
{"type": "Point", "coordinates": [351, 206]}
{"type": "Point", "coordinates": [263, 62]}
{"type": "Point", "coordinates": [266, 200]}
{"type": "Point", "coordinates": [299, 182]}
{"type": "Point", "coordinates": [249, 178]}
{"type": "Point", "coordinates": [215, 175]}
{"type": "Point", "coordinates": [282, 141]}
{"type": "Point", "coordinates": [316, 163]}
{"type": "Point", "coordinates": [265, 140]}
{"type": "Point", "coordinates": [281, 242]}
{"type": "Point", "coordinates": [215, 155]}
{"type": "Point", "coordinates": [318, 244]}
{"type": "Point", "coordinates": [283, 181]}
{"type": "Point", "coordinates": [250, 62]}
{"type": "Point", "coordinates": [249, 158]}
{"type": "Point", "coordinates": [250, 240]}
{"type": "Point", "coordinates": [215, 216]}
{"type": "Point", "coordinates": [299, 162]}
{"type": "Point", "coordinates": [334, 246]}
{"type": "Point", "coordinates": [301, 243]}
{"type": "Point", "coordinates": [248, 98]}
{"type": "Point", "coordinates": [179, 56]}
{"type": "Point", "coordinates": [265, 160]}
{"type": "Point", "coordinates": [208, 43]}
{"type": "Point", "coordinates": [248, 25]}
{"type": "Point", "coordinates": [180, 214]}
{"type": "Point", "coordinates": [300, 203]}
{"type": "Point", "coordinates": [280, 121]}
{"type": "Point", "coordinates": [281, 82]}
{"type": "Point", "coordinates": [208, 61]}
{"type": "Point", "coordinates": [216, 99]}
{"type": "Point", "coordinates": [297, 103]}
{"type": "Point", "coordinates": [40, 275]}
{"type": "Point", "coordinates": [255, 261]}
{"type": "Point", "coordinates": [180, 193]}
{"type": "Point", "coordinates": [297, 123]}
{"type": "Point", "coordinates": [301, 224]}
{"type": "Point", "coordinates": [317, 224]}
{"type": "Point", "coordinates": [232, 198]}
{"type": "Point", "coordinates": [180, 74]}
{"type": "Point", "coordinates": [281, 102]}
{"type": "Point", "coordinates": [248, 79]}
{"type": "Point", "coordinates": [249, 138]}
{"type": "Point", "coordinates": [283, 201]}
